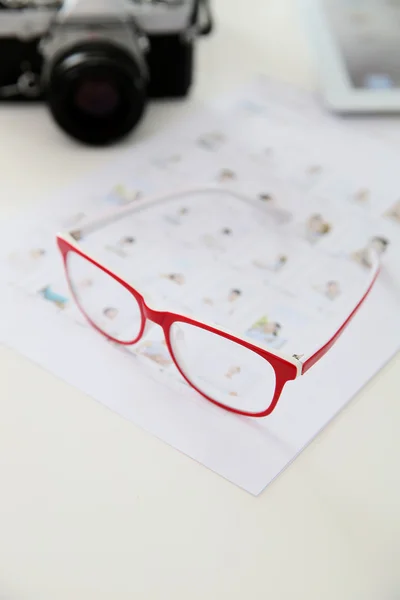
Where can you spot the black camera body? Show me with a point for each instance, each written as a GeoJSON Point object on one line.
{"type": "Point", "coordinates": [97, 62]}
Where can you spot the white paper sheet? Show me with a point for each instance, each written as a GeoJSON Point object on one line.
{"type": "Point", "coordinates": [271, 142]}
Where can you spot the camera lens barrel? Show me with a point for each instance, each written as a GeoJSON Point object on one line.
{"type": "Point", "coordinates": [96, 92]}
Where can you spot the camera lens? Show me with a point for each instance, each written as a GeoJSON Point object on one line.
{"type": "Point", "coordinates": [97, 98]}
{"type": "Point", "coordinates": [96, 93]}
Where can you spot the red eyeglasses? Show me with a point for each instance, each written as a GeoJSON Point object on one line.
{"type": "Point", "coordinates": [227, 370]}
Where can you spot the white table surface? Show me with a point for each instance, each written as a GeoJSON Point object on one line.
{"type": "Point", "coordinates": [93, 507]}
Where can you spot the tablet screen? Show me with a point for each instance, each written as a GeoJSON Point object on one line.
{"type": "Point", "coordinates": [368, 35]}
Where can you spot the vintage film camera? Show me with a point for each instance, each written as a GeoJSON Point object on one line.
{"type": "Point", "coordinates": [96, 62]}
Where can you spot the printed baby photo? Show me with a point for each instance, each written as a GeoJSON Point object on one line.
{"type": "Point", "coordinates": [362, 196]}
{"type": "Point", "coordinates": [331, 290]}
{"type": "Point", "coordinates": [394, 213]}
{"type": "Point", "coordinates": [56, 298]}
{"type": "Point", "coordinates": [223, 217]}
{"type": "Point", "coordinates": [123, 247]}
{"type": "Point", "coordinates": [314, 170]}
{"type": "Point", "coordinates": [177, 216]}
{"type": "Point", "coordinates": [274, 208]}
{"type": "Point", "coordinates": [174, 281]}
{"type": "Point", "coordinates": [283, 326]}
{"type": "Point", "coordinates": [212, 141]}
{"type": "Point", "coordinates": [125, 237]}
{"type": "Point", "coordinates": [27, 261]}
{"type": "Point", "coordinates": [226, 175]}
{"type": "Point", "coordinates": [155, 350]}
{"type": "Point", "coordinates": [222, 301]}
{"type": "Point", "coordinates": [175, 278]}
{"type": "Point", "coordinates": [121, 195]}
{"type": "Point", "coordinates": [273, 264]}
{"type": "Point", "coordinates": [317, 227]}
{"type": "Point", "coordinates": [268, 331]}
{"type": "Point", "coordinates": [26, 258]}
{"type": "Point", "coordinates": [168, 161]}
{"type": "Point", "coordinates": [219, 295]}
{"type": "Point", "coordinates": [228, 238]}
{"type": "Point", "coordinates": [52, 290]}
{"type": "Point", "coordinates": [52, 295]}
{"type": "Point", "coordinates": [185, 220]}
{"type": "Point", "coordinates": [376, 245]}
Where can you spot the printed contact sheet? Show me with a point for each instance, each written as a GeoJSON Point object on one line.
{"type": "Point", "coordinates": [281, 268]}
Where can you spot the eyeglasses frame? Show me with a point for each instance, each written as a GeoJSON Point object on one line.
{"type": "Point", "coordinates": [287, 368]}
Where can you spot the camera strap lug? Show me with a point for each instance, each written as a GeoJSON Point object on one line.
{"type": "Point", "coordinates": [202, 22]}
{"type": "Point", "coordinates": [205, 20]}
{"type": "Point", "coordinates": [28, 85]}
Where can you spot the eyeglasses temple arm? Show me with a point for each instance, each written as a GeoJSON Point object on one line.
{"type": "Point", "coordinates": [316, 356]}
{"type": "Point", "coordinates": [135, 206]}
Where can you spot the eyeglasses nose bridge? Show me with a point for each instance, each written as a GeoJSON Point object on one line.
{"type": "Point", "coordinates": [153, 317]}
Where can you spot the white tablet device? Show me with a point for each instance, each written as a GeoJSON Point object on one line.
{"type": "Point", "coordinates": [357, 45]}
